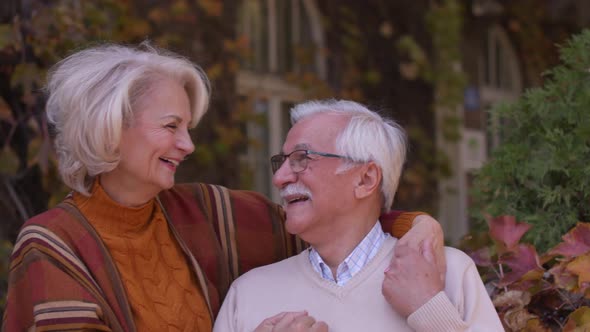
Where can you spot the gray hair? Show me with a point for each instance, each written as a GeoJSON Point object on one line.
{"type": "Point", "coordinates": [92, 96]}
{"type": "Point", "coordinates": [367, 137]}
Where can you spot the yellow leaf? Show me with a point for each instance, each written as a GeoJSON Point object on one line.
{"type": "Point", "coordinates": [578, 320]}
{"type": "Point", "coordinates": [535, 325]}
{"type": "Point", "coordinates": [580, 266]}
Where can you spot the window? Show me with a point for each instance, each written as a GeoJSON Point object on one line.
{"type": "Point", "coordinates": [284, 37]}
{"type": "Point", "coordinates": [253, 23]}
{"type": "Point", "coordinates": [500, 80]}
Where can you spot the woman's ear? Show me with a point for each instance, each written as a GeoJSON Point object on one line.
{"type": "Point", "coordinates": [368, 181]}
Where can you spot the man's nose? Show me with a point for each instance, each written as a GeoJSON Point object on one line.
{"type": "Point", "coordinates": [284, 175]}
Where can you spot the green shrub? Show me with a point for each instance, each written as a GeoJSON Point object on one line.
{"type": "Point", "coordinates": [541, 172]}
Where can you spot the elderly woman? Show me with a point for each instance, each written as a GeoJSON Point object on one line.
{"type": "Point", "coordinates": [127, 249]}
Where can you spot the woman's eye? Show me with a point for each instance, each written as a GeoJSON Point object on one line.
{"type": "Point", "coordinates": [172, 126]}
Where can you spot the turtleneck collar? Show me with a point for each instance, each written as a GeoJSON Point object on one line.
{"type": "Point", "coordinates": [113, 216]}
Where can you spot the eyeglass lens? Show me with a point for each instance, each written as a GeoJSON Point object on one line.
{"type": "Point", "coordinates": [297, 161]}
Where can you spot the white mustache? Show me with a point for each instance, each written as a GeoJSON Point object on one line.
{"type": "Point", "coordinates": [295, 189]}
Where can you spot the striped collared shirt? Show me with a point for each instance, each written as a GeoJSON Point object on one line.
{"type": "Point", "coordinates": [357, 259]}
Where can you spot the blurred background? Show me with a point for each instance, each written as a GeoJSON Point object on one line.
{"type": "Point", "coordinates": [436, 66]}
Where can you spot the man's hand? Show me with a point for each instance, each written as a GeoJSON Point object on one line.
{"type": "Point", "coordinates": [425, 228]}
{"type": "Point", "coordinates": [292, 322]}
{"type": "Point", "coordinates": [411, 279]}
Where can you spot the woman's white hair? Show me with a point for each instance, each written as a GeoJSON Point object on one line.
{"type": "Point", "coordinates": [91, 98]}
{"type": "Point", "coordinates": [367, 137]}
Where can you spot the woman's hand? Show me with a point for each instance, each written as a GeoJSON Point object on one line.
{"type": "Point", "coordinates": [425, 228]}
{"type": "Point", "coordinates": [411, 279]}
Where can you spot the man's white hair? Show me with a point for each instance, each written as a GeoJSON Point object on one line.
{"type": "Point", "coordinates": [367, 137]}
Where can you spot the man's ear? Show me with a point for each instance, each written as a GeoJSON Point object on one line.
{"type": "Point", "coordinates": [368, 181]}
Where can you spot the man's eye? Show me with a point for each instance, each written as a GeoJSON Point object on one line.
{"type": "Point", "coordinates": [172, 126]}
{"type": "Point", "coordinates": [301, 156]}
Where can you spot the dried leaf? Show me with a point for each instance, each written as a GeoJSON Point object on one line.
{"type": "Point", "coordinates": [535, 325]}
{"type": "Point", "coordinates": [575, 242]}
{"type": "Point", "coordinates": [512, 298]}
{"type": "Point", "coordinates": [517, 319]}
{"type": "Point", "coordinates": [507, 231]}
{"type": "Point", "coordinates": [563, 278]}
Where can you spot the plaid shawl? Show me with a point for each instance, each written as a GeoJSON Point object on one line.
{"type": "Point", "coordinates": [62, 276]}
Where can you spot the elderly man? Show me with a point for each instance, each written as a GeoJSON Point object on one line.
{"type": "Point", "coordinates": [340, 169]}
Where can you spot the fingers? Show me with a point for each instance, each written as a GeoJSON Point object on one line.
{"type": "Point", "coordinates": [275, 319]}
{"type": "Point", "coordinates": [269, 324]}
{"type": "Point", "coordinates": [319, 327]}
{"type": "Point", "coordinates": [292, 322]}
{"type": "Point", "coordinates": [426, 230]}
{"type": "Point", "coordinates": [402, 250]}
{"type": "Point", "coordinates": [427, 251]}
{"type": "Point", "coordinates": [442, 266]}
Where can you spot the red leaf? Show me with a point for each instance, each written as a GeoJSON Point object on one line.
{"type": "Point", "coordinates": [507, 231]}
{"type": "Point", "coordinates": [575, 242]}
{"type": "Point", "coordinates": [521, 260]}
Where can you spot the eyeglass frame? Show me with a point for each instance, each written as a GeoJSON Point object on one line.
{"type": "Point", "coordinates": [276, 165]}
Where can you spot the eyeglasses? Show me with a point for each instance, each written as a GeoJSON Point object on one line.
{"type": "Point", "coordinates": [298, 159]}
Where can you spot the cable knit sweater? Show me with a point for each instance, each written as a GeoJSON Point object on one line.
{"type": "Point", "coordinates": [293, 285]}
{"type": "Point", "coordinates": [155, 274]}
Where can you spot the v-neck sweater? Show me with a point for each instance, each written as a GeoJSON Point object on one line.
{"type": "Point", "coordinates": [161, 290]}
{"type": "Point", "coordinates": [293, 285]}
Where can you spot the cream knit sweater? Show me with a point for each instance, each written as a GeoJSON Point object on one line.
{"type": "Point", "coordinates": [358, 306]}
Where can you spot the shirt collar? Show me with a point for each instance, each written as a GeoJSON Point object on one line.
{"type": "Point", "coordinates": [357, 259]}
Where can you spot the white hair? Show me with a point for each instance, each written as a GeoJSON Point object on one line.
{"type": "Point", "coordinates": [93, 94]}
{"type": "Point", "coordinates": [367, 137]}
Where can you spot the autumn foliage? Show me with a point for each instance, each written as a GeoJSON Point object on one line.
{"type": "Point", "coordinates": [535, 291]}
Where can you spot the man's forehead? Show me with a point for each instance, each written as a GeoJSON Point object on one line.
{"type": "Point", "coordinates": [317, 131]}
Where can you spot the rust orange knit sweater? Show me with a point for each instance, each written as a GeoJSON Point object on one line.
{"type": "Point", "coordinates": [161, 290]}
